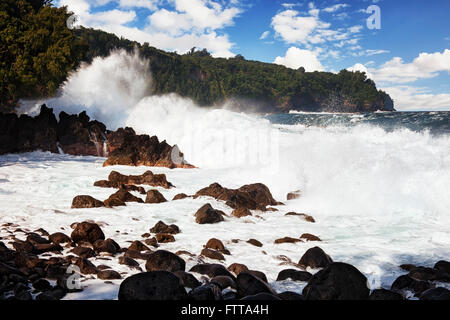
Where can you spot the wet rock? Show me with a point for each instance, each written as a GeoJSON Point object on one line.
{"type": "Point", "coordinates": [255, 242]}
{"type": "Point", "coordinates": [309, 237]}
{"type": "Point", "coordinates": [137, 255]}
{"type": "Point", "coordinates": [154, 196]}
{"type": "Point", "coordinates": [114, 202]}
{"type": "Point", "coordinates": [211, 270]}
{"type": "Point", "coordinates": [407, 267]}
{"type": "Point", "coordinates": [224, 282]}
{"type": "Point", "coordinates": [294, 195]}
{"type": "Point", "coordinates": [188, 280]}
{"type": "Point", "coordinates": [338, 281]}
{"type": "Point", "coordinates": [206, 292]}
{"type": "Point", "coordinates": [161, 227]}
{"type": "Point", "coordinates": [436, 294]}
{"type": "Point", "coordinates": [59, 238]}
{"type": "Point", "coordinates": [422, 273]}
{"type": "Point", "coordinates": [118, 185]}
{"type": "Point", "coordinates": [81, 202]}
{"type": "Point", "coordinates": [23, 246]}
{"type": "Point", "coordinates": [86, 231]}
{"type": "Point", "coordinates": [155, 285]}
{"type": "Point", "coordinates": [130, 262]}
{"type": "Point", "coordinates": [138, 246]}
{"type": "Point", "coordinates": [83, 252]}
{"type": "Point", "coordinates": [208, 215]}
{"type": "Point", "coordinates": [315, 258]}
{"type": "Point", "coordinates": [47, 247]}
{"type": "Point", "coordinates": [180, 196]}
{"type": "Point", "coordinates": [294, 275]}
{"type": "Point", "coordinates": [24, 296]}
{"type": "Point", "coordinates": [443, 266]}
{"type": "Point", "coordinates": [249, 285]}
{"type": "Point", "coordinates": [165, 238]}
{"type": "Point", "coordinates": [287, 240]}
{"type": "Point", "coordinates": [34, 238]}
{"type": "Point", "coordinates": [237, 268]}
{"type": "Point", "coordinates": [152, 242]}
{"type": "Point", "coordinates": [165, 260]}
{"type": "Point", "coordinates": [108, 275]}
{"type": "Point", "coordinates": [301, 215]}
{"type": "Point", "coordinates": [405, 282]}
{"type": "Point", "coordinates": [42, 285]}
{"type": "Point", "coordinates": [241, 212]}
{"type": "Point", "coordinates": [254, 196]}
{"type": "Point", "coordinates": [147, 178]}
{"type": "Point", "coordinates": [216, 244]}
{"type": "Point", "coordinates": [289, 295]}
{"type": "Point", "coordinates": [212, 254]}
{"type": "Point", "coordinates": [127, 148]}
{"type": "Point", "coordinates": [108, 245]}
{"type": "Point", "coordinates": [86, 267]}
{"type": "Point", "coordinates": [259, 275]}
{"type": "Point", "coordinates": [126, 196]}
{"type": "Point", "coordinates": [383, 294]}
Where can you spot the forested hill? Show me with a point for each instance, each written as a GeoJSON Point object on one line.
{"type": "Point", "coordinates": [38, 50]}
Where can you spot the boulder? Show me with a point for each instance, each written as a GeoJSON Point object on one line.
{"type": "Point", "coordinates": [436, 294]}
{"type": "Point", "coordinates": [83, 202]}
{"type": "Point", "coordinates": [108, 245]}
{"type": "Point", "coordinates": [383, 294]}
{"type": "Point", "coordinates": [124, 196]}
{"type": "Point", "coordinates": [290, 296]}
{"type": "Point", "coordinates": [253, 196]}
{"type": "Point", "coordinates": [155, 285]}
{"type": "Point", "coordinates": [164, 260]}
{"type": "Point", "coordinates": [249, 285]}
{"type": "Point", "coordinates": [294, 275]}
{"type": "Point", "coordinates": [188, 280]}
{"type": "Point", "coordinates": [138, 246]}
{"type": "Point", "coordinates": [127, 148]}
{"type": "Point", "coordinates": [217, 245]}
{"type": "Point", "coordinates": [287, 240]}
{"type": "Point", "coordinates": [423, 273]}
{"type": "Point", "coordinates": [130, 262]}
{"type": "Point", "coordinates": [83, 252]}
{"type": "Point", "coordinates": [206, 292]}
{"type": "Point", "coordinates": [59, 238]}
{"type": "Point", "coordinates": [294, 195]}
{"type": "Point", "coordinates": [161, 227]}
{"type": "Point", "coordinates": [443, 266]}
{"type": "Point", "coordinates": [301, 215]}
{"type": "Point", "coordinates": [241, 212]}
{"type": "Point", "coordinates": [406, 282]}
{"type": "Point", "coordinates": [338, 281]}
{"type": "Point", "coordinates": [212, 254]}
{"type": "Point", "coordinates": [224, 282]}
{"type": "Point", "coordinates": [164, 238]}
{"type": "Point", "coordinates": [87, 231]}
{"type": "Point", "coordinates": [237, 268]}
{"type": "Point", "coordinates": [147, 178]}
{"type": "Point", "coordinates": [255, 242]}
{"type": "Point", "coordinates": [309, 237]}
{"type": "Point", "coordinates": [259, 274]}
{"type": "Point", "coordinates": [154, 196]}
{"type": "Point", "coordinates": [180, 196]}
{"type": "Point", "coordinates": [211, 270]}
{"type": "Point", "coordinates": [108, 275]}
{"type": "Point", "coordinates": [208, 215]}
{"type": "Point", "coordinates": [315, 258]}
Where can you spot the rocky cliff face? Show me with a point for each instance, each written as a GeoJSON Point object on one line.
{"type": "Point", "coordinates": [78, 135]}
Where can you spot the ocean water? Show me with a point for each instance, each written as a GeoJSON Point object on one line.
{"type": "Point", "coordinates": [377, 184]}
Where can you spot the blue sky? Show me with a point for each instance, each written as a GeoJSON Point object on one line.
{"type": "Point", "coordinates": [408, 56]}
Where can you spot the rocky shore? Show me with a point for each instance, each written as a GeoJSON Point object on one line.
{"type": "Point", "coordinates": [42, 266]}
{"type": "Point", "coordinates": [79, 136]}
{"type": "Point", "coordinates": [38, 265]}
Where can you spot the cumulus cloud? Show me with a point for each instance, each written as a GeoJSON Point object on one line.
{"type": "Point", "coordinates": [407, 98]}
{"type": "Point", "coordinates": [185, 24]}
{"type": "Point", "coordinates": [336, 7]}
{"type": "Point", "coordinates": [296, 58]}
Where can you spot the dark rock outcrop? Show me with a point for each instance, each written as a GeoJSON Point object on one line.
{"type": "Point", "coordinates": [207, 215]}
{"type": "Point", "coordinates": [147, 178]}
{"type": "Point", "coordinates": [87, 231]}
{"type": "Point", "coordinates": [383, 294]}
{"type": "Point", "coordinates": [338, 281]}
{"type": "Point", "coordinates": [161, 227]}
{"type": "Point", "coordinates": [154, 196]}
{"type": "Point", "coordinates": [84, 201]}
{"type": "Point", "coordinates": [294, 275]}
{"type": "Point", "coordinates": [164, 260]}
{"type": "Point", "coordinates": [315, 258]}
{"type": "Point", "coordinates": [127, 148]}
{"type": "Point", "coordinates": [249, 285]}
{"type": "Point", "coordinates": [253, 196]}
{"type": "Point", "coordinates": [155, 285]}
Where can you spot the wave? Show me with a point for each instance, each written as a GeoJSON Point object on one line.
{"type": "Point", "coordinates": [361, 170]}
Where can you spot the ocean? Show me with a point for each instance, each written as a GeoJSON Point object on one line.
{"type": "Point", "coordinates": [377, 184]}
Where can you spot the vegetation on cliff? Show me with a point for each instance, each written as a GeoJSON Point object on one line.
{"type": "Point", "coordinates": [38, 50]}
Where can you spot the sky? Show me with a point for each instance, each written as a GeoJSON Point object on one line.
{"type": "Point", "coordinates": [403, 45]}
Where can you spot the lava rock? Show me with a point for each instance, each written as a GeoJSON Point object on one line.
{"type": "Point", "coordinates": [294, 275]}
{"type": "Point", "coordinates": [86, 231]}
{"type": "Point", "coordinates": [166, 261]}
{"type": "Point", "coordinates": [315, 258]}
{"type": "Point", "coordinates": [82, 202]}
{"type": "Point", "coordinates": [208, 215]}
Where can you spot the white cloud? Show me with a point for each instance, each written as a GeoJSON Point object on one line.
{"type": "Point", "coordinates": [264, 35]}
{"type": "Point", "coordinates": [336, 7]}
{"type": "Point", "coordinates": [362, 68]}
{"type": "Point", "coordinates": [408, 98]}
{"type": "Point", "coordinates": [186, 24]}
{"type": "Point", "coordinates": [296, 58]}
{"type": "Point", "coordinates": [370, 52]}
